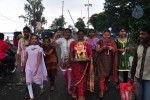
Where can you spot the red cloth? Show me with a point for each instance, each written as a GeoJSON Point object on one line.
{"type": "Point", "coordinates": [102, 84]}
{"type": "Point", "coordinates": [3, 47]}
{"type": "Point", "coordinates": [78, 69]}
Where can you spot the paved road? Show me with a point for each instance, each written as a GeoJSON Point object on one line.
{"type": "Point", "coordinates": [11, 88]}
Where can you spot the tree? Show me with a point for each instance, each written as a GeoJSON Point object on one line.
{"type": "Point", "coordinates": [70, 26]}
{"type": "Point", "coordinates": [34, 12]}
{"type": "Point", "coordinates": [136, 24]}
{"type": "Point", "coordinates": [57, 23]}
{"type": "Point", "coordinates": [80, 25]}
{"type": "Point", "coordinates": [118, 13]}
{"type": "Point", "coordinates": [99, 21]}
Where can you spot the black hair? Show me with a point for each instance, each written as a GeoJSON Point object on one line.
{"type": "Point", "coordinates": [34, 35]}
{"type": "Point", "coordinates": [91, 30]}
{"type": "Point", "coordinates": [1, 36]}
{"type": "Point", "coordinates": [46, 38]}
{"type": "Point", "coordinates": [122, 28]}
{"type": "Point", "coordinates": [26, 28]}
{"type": "Point", "coordinates": [146, 29]}
{"type": "Point", "coordinates": [80, 31]}
{"type": "Point", "coordinates": [107, 30]}
{"type": "Point", "coordinates": [67, 29]}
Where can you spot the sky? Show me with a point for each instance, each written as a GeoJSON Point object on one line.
{"type": "Point", "coordinates": [11, 9]}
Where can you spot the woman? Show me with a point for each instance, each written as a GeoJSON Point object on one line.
{"type": "Point", "coordinates": [80, 50]}
{"type": "Point", "coordinates": [65, 45]}
{"type": "Point", "coordinates": [106, 60]}
{"type": "Point", "coordinates": [50, 61]}
{"type": "Point", "coordinates": [92, 42]}
{"type": "Point", "coordinates": [123, 46]}
{"type": "Point", "coordinates": [34, 65]}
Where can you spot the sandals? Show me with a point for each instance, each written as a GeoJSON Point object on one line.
{"type": "Point", "coordinates": [106, 88]}
{"type": "Point", "coordinates": [31, 98]}
{"type": "Point", "coordinates": [81, 98]}
{"type": "Point", "coordinates": [69, 92]}
{"type": "Point", "coordinates": [74, 96]}
{"type": "Point", "coordinates": [101, 95]}
{"type": "Point", "coordinates": [52, 88]}
{"type": "Point", "coordinates": [41, 91]}
{"type": "Point", "coordinates": [117, 87]}
{"type": "Point", "coordinates": [26, 96]}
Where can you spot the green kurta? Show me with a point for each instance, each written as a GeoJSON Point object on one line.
{"type": "Point", "coordinates": [123, 60]}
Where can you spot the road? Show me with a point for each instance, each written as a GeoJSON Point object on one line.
{"type": "Point", "coordinates": [11, 88]}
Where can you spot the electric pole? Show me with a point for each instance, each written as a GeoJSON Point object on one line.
{"type": "Point", "coordinates": [81, 13]}
{"type": "Point", "coordinates": [88, 5]}
{"type": "Point", "coordinates": [62, 11]}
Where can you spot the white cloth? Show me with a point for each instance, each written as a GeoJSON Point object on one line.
{"type": "Point", "coordinates": [130, 63]}
{"type": "Point", "coordinates": [65, 46]}
{"type": "Point", "coordinates": [65, 49]}
{"type": "Point", "coordinates": [41, 75]}
{"type": "Point", "coordinates": [30, 90]}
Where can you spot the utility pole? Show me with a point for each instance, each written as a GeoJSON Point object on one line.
{"type": "Point", "coordinates": [62, 11]}
{"type": "Point", "coordinates": [62, 8]}
{"type": "Point", "coordinates": [88, 5]}
{"type": "Point", "coordinates": [81, 13]}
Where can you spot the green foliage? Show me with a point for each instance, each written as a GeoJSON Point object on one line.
{"type": "Point", "coordinates": [57, 23]}
{"type": "Point", "coordinates": [99, 21]}
{"type": "Point", "coordinates": [80, 25]}
{"type": "Point", "coordinates": [118, 13]}
{"type": "Point", "coordinates": [34, 12]}
{"type": "Point", "coordinates": [136, 24]}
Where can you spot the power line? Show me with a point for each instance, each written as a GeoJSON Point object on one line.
{"type": "Point", "coordinates": [10, 19]}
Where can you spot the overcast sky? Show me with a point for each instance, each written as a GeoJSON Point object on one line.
{"type": "Point", "coordinates": [11, 9]}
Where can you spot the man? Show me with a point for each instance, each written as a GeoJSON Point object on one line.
{"type": "Point", "coordinates": [3, 57]}
{"type": "Point", "coordinates": [141, 65]}
{"type": "Point", "coordinates": [22, 44]}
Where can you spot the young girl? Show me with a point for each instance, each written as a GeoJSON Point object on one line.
{"type": "Point", "coordinates": [92, 40]}
{"type": "Point", "coordinates": [65, 51]}
{"type": "Point", "coordinates": [50, 60]}
{"type": "Point", "coordinates": [106, 60]}
{"type": "Point", "coordinates": [123, 54]}
{"type": "Point", "coordinates": [35, 69]}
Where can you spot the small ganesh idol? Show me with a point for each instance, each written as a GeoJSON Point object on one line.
{"type": "Point", "coordinates": [81, 51]}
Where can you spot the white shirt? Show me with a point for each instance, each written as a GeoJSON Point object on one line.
{"type": "Point", "coordinates": [65, 46]}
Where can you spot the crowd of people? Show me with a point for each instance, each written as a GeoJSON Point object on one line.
{"type": "Point", "coordinates": [81, 60]}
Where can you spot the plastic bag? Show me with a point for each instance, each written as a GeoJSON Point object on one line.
{"type": "Point", "coordinates": [127, 91]}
